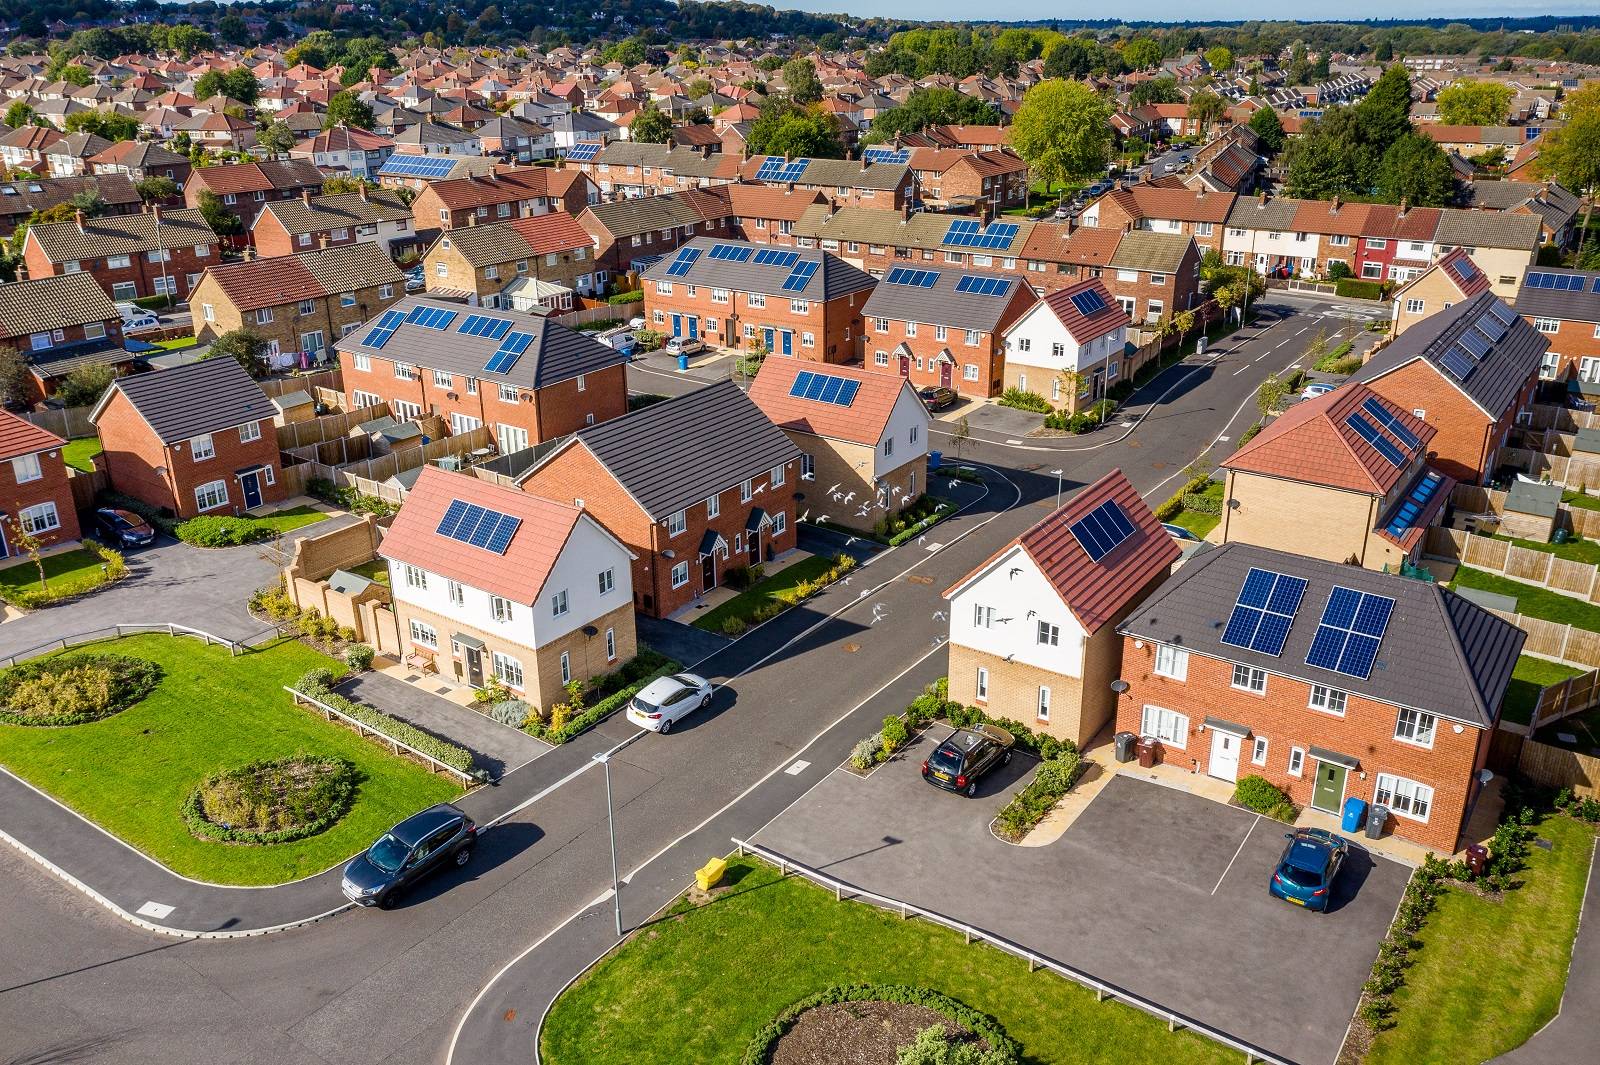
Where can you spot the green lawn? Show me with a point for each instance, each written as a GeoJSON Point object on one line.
{"type": "Point", "coordinates": [131, 772]}
{"type": "Point", "coordinates": [1587, 551]}
{"type": "Point", "coordinates": [702, 981]}
{"type": "Point", "coordinates": [68, 572]}
{"type": "Point", "coordinates": [285, 521]}
{"type": "Point", "coordinates": [763, 592]}
{"type": "Point", "coordinates": [377, 571]}
{"type": "Point", "coordinates": [175, 343]}
{"type": "Point", "coordinates": [80, 452]}
{"type": "Point", "coordinates": [1533, 601]}
{"type": "Point", "coordinates": [1581, 500]}
{"type": "Point", "coordinates": [1452, 1012]}
{"type": "Point", "coordinates": [1531, 674]}
{"type": "Point", "coordinates": [1196, 522]}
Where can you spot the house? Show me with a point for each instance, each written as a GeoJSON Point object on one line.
{"type": "Point", "coordinates": [21, 198]}
{"type": "Point", "coordinates": [865, 434]}
{"type": "Point", "coordinates": [631, 234]}
{"type": "Point", "coordinates": [690, 504]}
{"type": "Point", "coordinates": [59, 324]}
{"type": "Point", "coordinates": [1200, 215]}
{"type": "Point", "coordinates": [957, 178]}
{"type": "Point", "coordinates": [24, 148]}
{"type": "Point", "coordinates": [845, 182]}
{"type": "Point", "coordinates": [516, 140]}
{"type": "Point", "coordinates": [1564, 305]}
{"type": "Point", "coordinates": [140, 160]}
{"type": "Point", "coordinates": [526, 377]}
{"type": "Point", "coordinates": [1449, 281]}
{"type": "Point", "coordinates": [733, 294]}
{"type": "Point", "coordinates": [1503, 244]}
{"type": "Point", "coordinates": [1356, 461]}
{"type": "Point", "coordinates": [195, 439]}
{"type": "Point", "coordinates": [1469, 371]}
{"type": "Point", "coordinates": [1330, 681]}
{"type": "Point", "coordinates": [69, 156]}
{"type": "Point", "coordinates": [245, 188]}
{"type": "Point", "coordinates": [763, 212]}
{"type": "Point", "coordinates": [1033, 630]}
{"type": "Point", "coordinates": [348, 151]}
{"type": "Point", "coordinates": [1556, 207]}
{"type": "Point", "coordinates": [637, 168]}
{"type": "Point", "coordinates": [34, 491]}
{"type": "Point", "coordinates": [944, 327]}
{"type": "Point", "coordinates": [297, 303]}
{"type": "Point", "coordinates": [364, 216]}
{"type": "Point", "coordinates": [1068, 346]}
{"type": "Point", "coordinates": [417, 172]}
{"type": "Point", "coordinates": [477, 263]}
{"type": "Point", "coordinates": [525, 192]}
{"type": "Point", "coordinates": [489, 582]}
{"type": "Point", "coordinates": [155, 253]}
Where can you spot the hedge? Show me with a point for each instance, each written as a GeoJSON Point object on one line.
{"type": "Point", "coordinates": [581, 723]}
{"type": "Point", "coordinates": [339, 783]}
{"type": "Point", "coordinates": [1261, 795]}
{"type": "Point", "coordinates": [1003, 1050]}
{"type": "Point", "coordinates": [1053, 779]}
{"type": "Point", "coordinates": [1355, 288]}
{"type": "Point", "coordinates": [621, 298]}
{"type": "Point", "coordinates": [943, 508]}
{"type": "Point", "coordinates": [317, 684]}
{"type": "Point", "coordinates": [1174, 504]}
{"type": "Point", "coordinates": [221, 531]}
{"type": "Point", "coordinates": [1024, 400]}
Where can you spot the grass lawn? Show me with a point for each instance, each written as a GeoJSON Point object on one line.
{"type": "Point", "coordinates": [1447, 1013]}
{"type": "Point", "coordinates": [1587, 551]}
{"type": "Point", "coordinates": [1533, 601]}
{"type": "Point", "coordinates": [376, 571]}
{"type": "Point", "coordinates": [131, 772]}
{"type": "Point", "coordinates": [763, 592]}
{"type": "Point", "coordinates": [68, 572]}
{"type": "Point", "coordinates": [1199, 523]}
{"type": "Point", "coordinates": [285, 521]}
{"type": "Point", "coordinates": [174, 343]}
{"type": "Point", "coordinates": [1581, 500]}
{"type": "Point", "coordinates": [703, 981]}
{"type": "Point", "coordinates": [1531, 674]}
{"type": "Point", "coordinates": [80, 452]}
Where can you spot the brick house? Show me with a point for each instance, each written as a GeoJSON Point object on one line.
{"type": "Point", "coordinates": [480, 263]}
{"type": "Point", "coordinates": [349, 151]}
{"type": "Point", "coordinates": [489, 582]}
{"type": "Point", "coordinates": [141, 159]}
{"type": "Point", "coordinates": [637, 168]}
{"type": "Point", "coordinates": [1150, 274]}
{"type": "Point", "coordinates": [524, 192]}
{"type": "Point", "coordinates": [59, 324]}
{"type": "Point", "coordinates": [1033, 630]}
{"type": "Point", "coordinates": [845, 182]}
{"type": "Point", "coordinates": [1199, 214]}
{"type": "Point", "coordinates": [154, 253]}
{"type": "Point", "coordinates": [628, 233]}
{"type": "Point", "coordinates": [1354, 459]}
{"type": "Point", "coordinates": [195, 439]}
{"type": "Point", "coordinates": [21, 198]}
{"type": "Point", "coordinates": [1564, 305]}
{"type": "Point", "coordinates": [24, 148]}
{"type": "Point", "coordinates": [299, 302]}
{"type": "Point", "coordinates": [1435, 371]}
{"type": "Point", "coordinates": [943, 327]}
{"type": "Point", "coordinates": [1330, 681]}
{"type": "Point", "coordinates": [691, 504]}
{"type": "Point", "coordinates": [765, 213]}
{"type": "Point", "coordinates": [1070, 336]}
{"type": "Point", "coordinates": [527, 378]}
{"type": "Point", "coordinates": [309, 222]}
{"type": "Point", "coordinates": [732, 294]}
{"type": "Point", "coordinates": [34, 489]}
{"type": "Point", "coordinates": [866, 437]}
{"type": "Point", "coordinates": [954, 177]}
{"type": "Point", "coordinates": [245, 188]}
{"type": "Point", "coordinates": [1452, 279]}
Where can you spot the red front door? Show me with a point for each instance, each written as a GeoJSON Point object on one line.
{"type": "Point", "coordinates": [944, 374]}
{"type": "Point", "coordinates": [905, 366]}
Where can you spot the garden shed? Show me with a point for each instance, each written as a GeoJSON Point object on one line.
{"type": "Point", "coordinates": [1531, 510]}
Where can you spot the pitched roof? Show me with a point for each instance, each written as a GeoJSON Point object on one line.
{"type": "Point", "coordinates": [554, 231]}
{"type": "Point", "coordinates": [122, 234]}
{"type": "Point", "coordinates": [282, 279]}
{"type": "Point", "coordinates": [1440, 653]}
{"type": "Point", "coordinates": [941, 303]}
{"type": "Point", "coordinates": [771, 201]}
{"type": "Point", "coordinates": [47, 303]}
{"type": "Point", "coordinates": [1581, 304]}
{"type": "Point", "coordinates": [186, 401]}
{"type": "Point", "coordinates": [645, 214]}
{"type": "Point", "coordinates": [1492, 229]}
{"type": "Point", "coordinates": [1149, 201]}
{"type": "Point", "coordinates": [1143, 249]}
{"type": "Point", "coordinates": [18, 437]}
{"type": "Point", "coordinates": [862, 422]}
{"type": "Point", "coordinates": [1459, 269]}
{"type": "Point", "coordinates": [831, 276]}
{"type": "Point", "coordinates": [259, 177]}
{"type": "Point", "coordinates": [1086, 327]}
{"type": "Point", "coordinates": [26, 195]}
{"type": "Point", "coordinates": [919, 229]}
{"type": "Point", "coordinates": [835, 173]}
{"type": "Point", "coordinates": [336, 211]}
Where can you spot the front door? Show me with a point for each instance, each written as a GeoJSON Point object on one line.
{"type": "Point", "coordinates": [1224, 755]}
{"type": "Point", "coordinates": [788, 342]}
{"type": "Point", "coordinates": [694, 327]}
{"type": "Point", "coordinates": [708, 572]}
{"type": "Point", "coordinates": [677, 325]}
{"type": "Point", "coordinates": [250, 484]}
{"type": "Point", "coordinates": [768, 337]}
{"type": "Point", "coordinates": [1328, 793]}
{"type": "Point", "coordinates": [475, 667]}
{"type": "Point", "coordinates": [905, 366]}
{"type": "Point", "coordinates": [753, 546]}
{"type": "Point", "coordinates": [944, 373]}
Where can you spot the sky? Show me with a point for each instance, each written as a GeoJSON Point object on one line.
{"type": "Point", "coordinates": [1179, 10]}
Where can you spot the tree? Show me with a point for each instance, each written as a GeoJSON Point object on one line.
{"type": "Point", "coordinates": [343, 183]}
{"type": "Point", "coordinates": [347, 109]}
{"type": "Point", "coordinates": [1416, 170]}
{"type": "Point", "coordinates": [1074, 57]}
{"type": "Point", "coordinates": [932, 107]}
{"type": "Point", "coordinates": [236, 84]}
{"type": "Point", "coordinates": [107, 124]}
{"type": "Point", "coordinates": [1270, 395]}
{"type": "Point", "coordinates": [156, 187]}
{"type": "Point", "coordinates": [76, 74]}
{"type": "Point", "coordinates": [187, 40]}
{"type": "Point", "coordinates": [1154, 91]}
{"type": "Point", "coordinates": [786, 128]}
{"type": "Point", "coordinates": [31, 545]}
{"type": "Point", "coordinates": [629, 52]}
{"type": "Point", "coordinates": [19, 114]}
{"type": "Point", "coordinates": [1331, 158]}
{"type": "Point", "coordinates": [275, 137]}
{"type": "Point", "coordinates": [960, 436]}
{"type": "Point", "coordinates": [1063, 130]}
{"type": "Point", "coordinates": [1141, 53]}
{"type": "Point", "coordinates": [650, 126]}
{"type": "Point", "coordinates": [1385, 115]}
{"type": "Point", "coordinates": [16, 379]}
{"type": "Point", "coordinates": [1207, 109]}
{"type": "Point", "coordinates": [246, 347]}
{"type": "Point", "coordinates": [233, 29]}
{"type": "Point", "coordinates": [1268, 128]}
{"type": "Point", "coordinates": [801, 81]}
{"type": "Point", "coordinates": [1475, 103]}
{"type": "Point", "coordinates": [697, 88]}
{"type": "Point", "coordinates": [1384, 53]}
{"type": "Point", "coordinates": [1220, 58]}
{"type": "Point", "coordinates": [217, 215]}
{"type": "Point", "coordinates": [1571, 155]}
{"type": "Point", "coordinates": [84, 386]}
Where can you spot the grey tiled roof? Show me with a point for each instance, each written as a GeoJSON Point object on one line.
{"type": "Point", "coordinates": [1250, 213]}
{"type": "Point", "coordinates": [648, 214]}
{"type": "Point", "coordinates": [202, 397]}
{"type": "Point", "coordinates": [1440, 653]}
{"type": "Point", "coordinates": [941, 304]}
{"type": "Point", "coordinates": [833, 278]}
{"type": "Point", "coordinates": [338, 211]}
{"type": "Point", "coordinates": [1579, 305]}
{"type": "Point", "coordinates": [124, 234]}
{"type": "Point", "coordinates": [47, 303]}
{"type": "Point", "coordinates": [1488, 229]}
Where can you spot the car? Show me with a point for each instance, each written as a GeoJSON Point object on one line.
{"type": "Point", "coordinates": [685, 346]}
{"type": "Point", "coordinates": [966, 757]}
{"type": "Point", "coordinates": [667, 700]}
{"type": "Point", "coordinates": [136, 317]}
{"type": "Point", "coordinates": [937, 397]}
{"type": "Point", "coordinates": [417, 847]}
{"type": "Point", "coordinates": [414, 280]}
{"type": "Point", "coordinates": [1178, 532]}
{"type": "Point", "coordinates": [620, 340]}
{"type": "Point", "coordinates": [122, 528]}
{"type": "Point", "coordinates": [1307, 868]}
{"type": "Point", "coordinates": [1316, 388]}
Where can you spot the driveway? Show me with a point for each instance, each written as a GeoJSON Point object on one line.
{"type": "Point", "coordinates": [497, 749]}
{"type": "Point", "coordinates": [1152, 889]}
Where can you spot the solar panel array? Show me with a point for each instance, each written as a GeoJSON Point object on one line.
{"type": "Point", "coordinates": [430, 317]}
{"type": "Point", "coordinates": [914, 278]}
{"type": "Point", "coordinates": [824, 388]}
{"type": "Point", "coordinates": [1088, 302]}
{"type": "Point", "coordinates": [1405, 517]}
{"type": "Point", "coordinates": [775, 168]}
{"type": "Point", "coordinates": [1558, 282]}
{"type": "Point", "coordinates": [484, 325]}
{"type": "Point", "coordinates": [966, 233]}
{"type": "Point", "coordinates": [773, 257]}
{"type": "Point", "coordinates": [984, 286]}
{"type": "Point", "coordinates": [419, 166]}
{"type": "Point", "coordinates": [1350, 632]}
{"type": "Point", "coordinates": [1391, 452]}
{"type": "Point", "coordinates": [1391, 421]}
{"type": "Point", "coordinates": [1102, 529]}
{"type": "Point", "coordinates": [507, 354]}
{"type": "Point", "coordinates": [1463, 270]}
{"type": "Point", "coordinates": [380, 333]}
{"type": "Point", "coordinates": [886, 155]}
{"type": "Point", "coordinates": [584, 151]}
{"type": "Point", "coordinates": [799, 277]}
{"type": "Point", "coordinates": [733, 253]}
{"type": "Point", "coordinates": [1265, 611]}
{"type": "Point", "coordinates": [478, 526]}
{"type": "Point", "coordinates": [680, 266]}
{"type": "Point", "coordinates": [1474, 343]}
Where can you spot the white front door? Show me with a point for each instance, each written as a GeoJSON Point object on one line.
{"type": "Point", "coordinates": [1224, 755]}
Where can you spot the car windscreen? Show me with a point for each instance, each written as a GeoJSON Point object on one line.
{"type": "Point", "coordinates": [388, 854]}
{"type": "Point", "coordinates": [649, 704]}
{"type": "Point", "coordinates": [945, 759]}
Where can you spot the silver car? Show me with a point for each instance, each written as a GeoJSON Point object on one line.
{"type": "Point", "coordinates": [667, 700]}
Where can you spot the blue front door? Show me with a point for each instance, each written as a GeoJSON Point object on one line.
{"type": "Point", "coordinates": [788, 342]}
{"type": "Point", "coordinates": [677, 325]}
{"type": "Point", "coordinates": [694, 327]}
{"type": "Point", "coordinates": [766, 339]}
{"type": "Point", "coordinates": [250, 484]}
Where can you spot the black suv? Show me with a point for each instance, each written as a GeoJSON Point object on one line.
{"type": "Point", "coordinates": [967, 755]}
{"type": "Point", "coordinates": [409, 851]}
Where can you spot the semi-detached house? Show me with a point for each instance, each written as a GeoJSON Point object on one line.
{"type": "Point", "coordinates": [245, 188]}
{"type": "Point", "coordinates": [631, 234]}
{"type": "Point", "coordinates": [59, 324]}
{"type": "Point", "coordinates": [880, 186]}
{"type": "Point", "coordinates": [155, 253]}
{"type": "Point", "coordinates": [1451, 280]}
{"type": "Point", "coordinates": [944, 327]}
{"type": "Point", "coordinates": [1069, 346]}
{"type": "Point", "coordinates": [35, 492]}
{"type": "Point", "coordinates": [491, 265]}
{"type": "Point", "coordinates": [312, 222]}
{"type": "Point", "coordinates": [1564, 305]}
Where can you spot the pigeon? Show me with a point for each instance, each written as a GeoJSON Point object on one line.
{"type": "Point", "coordinates": [849, 496]}
{"type": "Point", "coordinates": [923, 539]}
{"type": "Point", "coordinates": [821, 517]}
{"type": "Point", "coordinates": [852, 540]}
{"type": "Point", "coordinates": [806, 515]}
{"type": "Point", "coordinates": [834, 490]}
{"type": "Point", "coordinates": [954, 484]}
{"type": "Point", "coordinates": [864, 593]}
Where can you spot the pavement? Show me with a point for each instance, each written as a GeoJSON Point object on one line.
{"type": "Point", "coordinates": [497, 749]}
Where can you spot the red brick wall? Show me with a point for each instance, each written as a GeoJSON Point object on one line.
{"type": "Point", "coordinates": [1466, 440]}
{"type": "Point", "coordinates": [561, 408]}
{"type": "Point", "coordinates": [1282, 716]}
{"type": "Point", "coordinates": [835, 325]}
{"type": "Point", "coordinates": [1574, 341]}
{"type": "Point", "coordinates": [616, 255]}
{"type": "Point", "coordinates": [140, 270]}
{"type": "Point", "coordinates": [52, 487]}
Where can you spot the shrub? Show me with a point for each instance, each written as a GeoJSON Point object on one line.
{"type": "Point", "coordinates": [74, 689]}
{"type": "Point", "coordinates": [733, 626]}
{"type": "Point", "coordinates": [317, 684]}
{"type": "Point", "coordinates": [649, 339]}
{"type": "Point", "coordinates": [865, 753]}
{"type": "Point", "coordinates": [272, 802]}
{"type": "Point", "coordinates": [623, 298]}
{"type": "Point", "coordinates": [511, 712]}
{"type": "Point", "coordinates": [358, 657]}
{"type": "Point", "coordinates": [1053, 779]}
{"type": "Point", "coordinates": [1338, 271]}
{"type": "Point", "coordinates": [1355, 288]}
{"type": "Point", "coordinates": [1262, 796]}
{"type": "Point", "coordinates": [894, 734]}
{"type": "Point", "coordinates": [635, 675]}
{"type": "Point", "coordinates": [1200, 503]}
{"type": "Point", "coordinates": [1586, 809]}
{"type": "Point", "coordinates": [1025, 400]}
{"type": "Point", "coordinates": [1003, 1050]}
{"type": "Point", "coordinates": [1244, 438]}
{"type": "Point", "coordinates": [935, 1046]}
{"type": "Point", "coordinates": [221, 531]}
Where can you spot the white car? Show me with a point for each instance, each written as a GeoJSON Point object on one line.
{"type": "Point", "coordinates": [1317, 388]}
{"type": "Point", "coordinates": [685, 346]}
{"type": "Point", "coordinates": [666, 701]}
{"type": "Point", "coordinates": [136, 317]}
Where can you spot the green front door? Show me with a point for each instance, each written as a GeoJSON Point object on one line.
{"type": "Point", "coordinates": [1329, 790]}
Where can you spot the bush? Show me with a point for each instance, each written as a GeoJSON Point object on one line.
{"type": "Point", "coordinates": [74, 689]}
{"type": "Point", "coordinates": [1262, 796]}
{"type": "Point", "coordinates": [358, 657]}
{"type": "Point", "coordinates": [623, 298]}
{"type": "Point", "coordinates": [1244, 438]}
{"type": "Point", "coordinates": [1024, 400]}
{"type": "Point", "coordinates": [1003, 1050]}
{"type": "Point", "coordinates": [221, 531]}
{"type": "Point", "coordinates": [651, 664]}
{"type": "Point", "coordinates": [272, 802]}
{"type": "Point", "coordinates": [1355, 288]}
{"type": "Point", "coordinates": [865, 754]}
{"type": "Point", "coordinates": [1338, 361]}
{"type": "Point", "coordinates": [1338, 271]}
{"type": "Point", "coordinates": [349, 499]}
{"type": "Point", "coordinates": [1053, 779]}
{"type": "Point", "coordinates": [1174, 504]}
{"type": "Point", "coordinates": [511, 712]}
{"type": "Point", "coordinates": [895, 734]}
{"type": "Point", "coordinates": [649, 339]}
{"type": "Point", "coordinates": [317, 684]}
{"type": "Point", "coordinates": [1200, 503]}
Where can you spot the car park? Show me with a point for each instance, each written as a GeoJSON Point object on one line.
{"type": "Point", "coordinates": [1307, 868]}
{"type": "Point", "coordinates": [122, 528]}
{"type": "Point", "coordinates": [969, 754]}
{"type": "Point", "coordinates": [417, 847]}
{"type": "Point", "coordinates": [136, 317]}
{"type": "Point", "coordinates": [667, 700]}
{"type": "Point", "coordinates": [937, 397]}
{"type": "Point", "coordinates": [685, 346]}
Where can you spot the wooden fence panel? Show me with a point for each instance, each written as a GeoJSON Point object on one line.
{"type": "Point", "coordinates": [327, 427]}
{"type": "Point", "coordinates": [1505, 748]}
{"type": "Point", "coordinates": [1576, 579]}
{"type": "Point", "coordinates": [1556, 767]}
{"type": "Point", "coordinates": [1583, 646]}
{"type": "Point", "coordinates": [282, 386]}
{"type": "Point", "coordinates": [1485, 552]}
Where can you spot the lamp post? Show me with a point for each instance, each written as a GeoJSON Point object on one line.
{"type": "Point", "coordinates": [604, 758]}
{"type": "Point", "coordinates": [1058, 474]}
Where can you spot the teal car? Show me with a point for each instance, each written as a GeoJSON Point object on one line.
{"type": "Point", "coordinates": [1307, 868]}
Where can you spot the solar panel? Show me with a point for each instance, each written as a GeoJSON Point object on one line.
{"type": "Point", "coordinates": [912, 278]}
{"type": "Point", "coordinates": [1350, 632]}
{"type": "Point", "coordinates": [731, 252]}
{"type": "Point", "coordinates": [1501, 313]}
{"type": "Point", "coordinates": [1491, 327]}
{"type": "Point", "coordinates": [1088, 302]}
{"type": "Point", "coordinates": [452, 518]}
{"type": "Point", "coordinates": [983, 286]}
{"type": "Point", "coordinates": [680, 266]}
{"type": "Point", "coordinates": [1558, 282]}
{"type": "Point", "coordinates": [1390, 421]}
{"type": "Point", "coordinates": [584, 151]}
{"type": "Point", "coordinates": [380, 333]}
{"type": "Point", "coordinates": [824, 388]}
{"type": "Point", "coordinates": [961, 232]}
{"type": "Point", "coordinates": [886, 155]}
{"type": "Point", "coordinates": [1464, 269]}
{"type": "Point", "coordinates": [510, 350]}
{"type": "Point", "coordinates": [503, 534]}
{"type": "Point", "coordinates": [422, 166]}
{"type": "Point", "coordinates": [777, 169]}
{"type": "Point", "coordinates": [799, 277]}
{"type": "Point", "coordinates": [484, 325]}
{"type": "Point", "coordinates": [478, 526]}
{"type": "Point", "coordinates": [1407, 514]}
{"type": "Point", "coordinates": [430, 317]}
{"type": "Point", "coordinates": [1477, 344]}
{"type": "Point", "coordinates": [1380, 443]}
{"type": "Point", "coordinates": [1102, 529]}
{"type": "Point", "coordinates": [1265, 611]}
{"type": "Point", "coordinates": [772, 257]}
{"type": "Point", "coordinates": [1457, 362]}
{"type": "Point", "coordinates": [966, 233]}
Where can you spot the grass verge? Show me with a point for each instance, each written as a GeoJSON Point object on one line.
{"type": "Point", "coordinates": [1199, 522]}
{"type": "Point", "coordinates": [131, 772]}
{"type": "Point", "coordinates": [1531, 674]}
{"type": "Point", "coordinates": [765, 592]}
{"type": "Point", "coordinates": [704, 980]}
{"type": "Point", "coordinates": [80, 452]}
{"type": "Point", "coordinates": [284, 521]}
{"type": "Point", "coordinates": [1533, 601]}
{"type": "Point", "coordinates": [68, 573]}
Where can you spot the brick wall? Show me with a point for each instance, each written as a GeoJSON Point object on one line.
{"type": "Point", "coordinates": [315, 557]}
{"type": "Point", "coordinates": [834, 325]}
{"type": "Point", "coordinates": [1466, 438]}
{"type": "Point", "coordinates": [850, 467]}
{"type": "Point", "coordinates": [142, 274]}
{"type": "Point", "coordinates": [52, 487]}
{"type": "Point", "coordinates": [1571, 343]}
{"type": "Point", "coordinates": [328, 315]}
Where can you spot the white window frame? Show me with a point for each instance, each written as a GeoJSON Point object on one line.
{"type": "Point", "coordinates": [1249, 679]}
{"type": "Point", "coordinates": [415, 578]}
{"type": "Point", "coordinates": [249, 431]}
{"type": "Point", "coordinates": [202, 448]}
{"type": "Point", "coordinates": [1297, 762]}
{"type": "Point", "coordinates": [26, 468]}
{"type": "Point", "coordinates": [611, 645]}
{"type": "Point", "coordinates": [1422, 731]}
{"type": "Point", "coordinates": [217, 491]}
{"type": "Point", "coordinates": [39, 518]}
{"type": "Point", "coordinates": [680, 574]}
{"type": "Point", "coordinates": [1168, 726]}
{"type": "Point", "coordinates": [560, 604]}
{"type": "Point", "coordinates": [1403, 796]}
{"type": "Point", "coordinates": [1258, 751]}
{"type": "Point", "coordinates": [982, 616]}
{"type": "Point", "coordinates": [982, 689]}
{"type": "Point", "coordinates": [456, 592]}
{"type": "Point", "coordinates": [676, 523]}
{"type": "Point", "coordinates": [508, 670]}
{"type": "Point", "coordinates": [1172, 662]}
{"type": "Point", "coordinates": [1048, 635]}
{"type": "Point", "coordinates": [1041, 709]}
{"type": "Point", "coordinates": [1328, 699]}
{"type": "Point", "coordinates": [606, 579]}
{"type": "Point", "coordinates": [775, 476]}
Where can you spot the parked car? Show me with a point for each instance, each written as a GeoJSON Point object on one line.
{"type": "Point", "coordinates": [415, 848]}
{"type": "Point", "coordinates": [1307, 868]}
{"type": "Point", "coordinates": [1316, 388]}
{"type": "Point", "coordinates": [937, 397]}
{"type": "Point", "coordinates": [684, 346]}
{"type": "Point", "coordinates": [620, 340]}
{"type": "Point", "coordinates": [1178, 532]}
{"type": "Point", "coordinates": [122, 528]}
{"type": "Point", "coordinates": [136, 317]}
{"type": "Point", "coordinates": [414, 280]}
{"type": "Point", "coordinates": [667, 700]}
{"type": "Point", "coordinates": [966, 757]}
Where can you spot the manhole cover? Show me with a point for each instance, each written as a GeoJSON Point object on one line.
{"type": "Point", "coordinates": [441, 691]}
{"type": "Point", "coordinates": [919, 580]}
{"type": "Point", "coordinates": [1134, 443]}
{"type": "Point", "coordinates": [413, 678]}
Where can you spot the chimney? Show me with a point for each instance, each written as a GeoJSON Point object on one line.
{"type": "Point", "coordinates": [305, 196]}
{"type": "Point", "coordinates": [361, 189]}
{"type": "Point", "coordinates": [1337, 203]}
{"type": "Point", "coordinates": [905, 212]}
{"type": "Point", "coordinates": [1262, 202]}
{"type": "Point", "coordinates": [1405, 205]}
{"type": "Point", "coordinates": [77, 216]}
{"type": "Point", "coordinates": [322, 240]}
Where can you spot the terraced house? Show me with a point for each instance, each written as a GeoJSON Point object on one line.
{"type": "Point", "coordinates": [1564, 305]}
{"type": "Point", "coordinates": [944, 327]}
{"type": "Point", "coordinates": [630, 234]}
{"type": "Point", "coordinates": [528, 262]}
{"type": "Point", "coordinates": [524, 192]}
{"type": "Point", "coordinates": [155, 253]}
{"type": "Point", "coordinates": [245, 188]}
{"type": "Point", "coordinates": [845, 182]}
{"type": "Point", "coordinates": [635, 168]}
{"type": "Point", "coordinates": [59, 324]}
{"type": "Point", "coordinates": [1196, 213]}
{"type": "Point", "coordinates": [312, 222]}
{"type": "Point", "coordinates": [957, 178]}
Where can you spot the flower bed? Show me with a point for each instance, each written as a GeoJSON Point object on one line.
{"type": "Point", "coordinates": [74, 689]}
{"type": "Point", "coordinates": [1001, 1048]}
{"type": "Point", "coordinates": [272, 802]}
{"type": "Point", "coordinates": [1053, 779]}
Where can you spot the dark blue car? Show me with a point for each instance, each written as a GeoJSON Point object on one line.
{"type": "Point", "coordinates": [1307, 869]}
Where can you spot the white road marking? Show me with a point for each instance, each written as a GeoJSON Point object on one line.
{"type": "Point", "coordinates": [158, 910]}
{"type": "Point", "coordinates": [1236, 853]}
{"type": "Point", "coordinates": [798, 768]}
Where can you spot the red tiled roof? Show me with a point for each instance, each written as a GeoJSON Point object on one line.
{"type": "Point", "coordinates": [1085, 328]}
{"type": "Point", "coordinates": [18, 436]}
{"type": "Point", "coordinates": [518, 574]}
{"type": "Point", "coordinates": [771, 201]}
{"type": "Point", "coordinates": [1325, 217]}
{"type": "Point", "coordinates": [556, 231]}
{"type": "Point", "coordinates": [862, 422]}
{"type": "Point", "coordinates": [267, 282]}
{"type": "Point", "coordinates": [1060, 243]}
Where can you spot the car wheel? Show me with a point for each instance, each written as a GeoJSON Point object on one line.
{"type": "Point", "coordinates": [705, 700]}
{"type": "Point", "coordinates": [388, 901]}
{"type": "Point", "coordinates": [463, 856]}
{"type": "Point", "coordinates": [666, 725]}
{"type": "Point", "coordinates": [972, 790]}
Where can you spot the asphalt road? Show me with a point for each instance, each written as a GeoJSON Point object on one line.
{"type": "Point", "coordinates": [366, 987]}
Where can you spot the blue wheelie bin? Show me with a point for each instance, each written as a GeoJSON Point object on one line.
{"type": "Point", "coordinates": [1355, 814]}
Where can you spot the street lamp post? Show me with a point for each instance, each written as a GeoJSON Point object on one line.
{"type": "Point", "coordinates": [604, 758]}
{"type": "Point", "coordinates": [1058, 487]}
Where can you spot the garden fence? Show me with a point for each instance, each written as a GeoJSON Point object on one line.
{"type": "Point", "coordinates": [1102, 990]}
{"type": "Point", "coordinates": [1543, 569]}
{"type": "Point", "coordinates": [365, 730]}
{"type": "Point", "coordinates": [1565, 698]}
{"type": "Point", "coordinates": [116, 632]}
{"type": "Point", "coordinates": [66, 421]}
{"type": "Point", "coordinates": [1557, 767]}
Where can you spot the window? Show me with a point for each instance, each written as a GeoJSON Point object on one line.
{"type": "Point", "coordinates": [972, 338]}
{"type": "Point", "coordinates": [456, 592]}
{"type": "Point", "coordinates": [969, 372]}
{"type": "Point", "coordinates": [1165, 725]}
{"type": "Point", "coordinates": [1297, 761]}
{"type": "Point", "coordinates": [800, 306]}
{"type": "Point", "coordinates": [939, 332]}
{"type": "Point", "coordinates": [416, 578]}
{"type": "Point", "coordinates": [888, 446]}
{"type": "Point", "coordinates": [1043, 709]}
{"type": "Point", "coordinates": [1414, 306]}
{"type": "Point", "coordinates": [360, 361]}
{"type": "Point", "coordinates": [746, 491]}
{"type": "Point", "coordinates": [201, 448]}
{"type": "Point", "coordinates": [983, 683]}
{"type": "Point", "coordinates": [1025, 344]}
{"type": "Point", "coordinates": [566, 668]}
{"type": "Point", "coordinates": [1549, 364]}
{"type": "Point", "coordinates": [676, 524]}
{"type": "Point", "coordinates": [680, 575]}
{"type": "Point", "coordinates": [1258, 752]}
{"type": "Point", "coordinates": [386, 291]}
{"type": "Point", "coordinates": [441, 270]}
{"type": "Point", "coordinates": [880, 358]}
{"type": "Point", "coordinates": [558, 603]}
{"type": "Point", "coordinates": [776, 476]}
{"type": "Point", "coordinates": [719, 295]}
{"type": "Point", "coordinates": [1328, 700]}
{"type": "Point", "coordinates": [1172, 662]}
{"type": "Point", "coordinates": [1049, 635]}
{"type": "Point", "coordinates": [360, 399]}
{"type": "Point", "coordinates": [249, 431]}
{"type": "Point", "coordinates": [808, 467]}
{"type": "Point", "coordinates": [611, 645]}
{"type": "Point", "coordinates": [1250, 679]}
{"type": "Point", "coordinates": [1416, 727]}
{"type": "Point", "coordinates": [472, 386]}
{"type": "Point", "coordinates": [406, 410]}
{"type": "Point", "coordinates": [26, 468]}
{"type": "Point", "coordinates": [808, 340]}
{"type": "Point", "coordinates": [405, 371]}
{"type": "Point", "coordinates": [713, 506]}
{"type": "Point", "coordinates": [1547, 326]}
{"type": "Point", "coordinates": [1404, 797]}
{"type": "Point", "coordinates": [211, 496]}
{"type": "Point", "coordinates": [306, 307]}
{"type": "Point", "coordinates": [583, 384]}
{"type": "Point", "coordinates": [780, 523]}
{"type": "Point", "coordinates": [263, 315]}
{"type": "Point", "coordinates": [40, 518]}
{"type": "Point", "coordinates": [508, 669]}
{"type": "Point", "coordinates": [911, 329]}
{"type": "Point", "coordinates": [607, 579]}
{"type": "Point", "coordinates": [119, 262]}
{"type": "Point", "coordinates": [982, 616]}
{"type": "Point", "coordinates": [756, 300]}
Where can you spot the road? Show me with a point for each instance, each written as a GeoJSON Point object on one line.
{"type": "Point", "coordinates": [364, 987]}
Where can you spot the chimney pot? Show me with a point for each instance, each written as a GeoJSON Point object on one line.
{"type": "Point", "coordinates": [305, 196]}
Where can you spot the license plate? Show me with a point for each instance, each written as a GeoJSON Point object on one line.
{"type": "Point", "coordinates": [1297, 902]}
{"type": "Point", "coordinates": [941, 776]}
